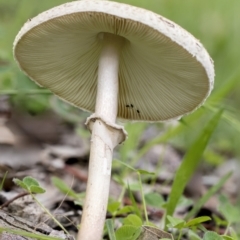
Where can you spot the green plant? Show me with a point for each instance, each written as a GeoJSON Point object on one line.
{"type": "Point", "coordinates": [180, 224]}
{"type": "Point", "coordinates": [190, 163]}
{"type": "Point", "coordinates": [32, 186]}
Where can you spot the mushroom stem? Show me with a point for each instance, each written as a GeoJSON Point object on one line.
{"type": "Point", "coordinates": [105, 136]}
{"type": "Point", "coordinates": [107, 92]}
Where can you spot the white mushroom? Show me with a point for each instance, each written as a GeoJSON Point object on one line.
{"type": "Point", "coordinates": [119, 61]}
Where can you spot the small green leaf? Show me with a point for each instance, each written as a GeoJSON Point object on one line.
{"type": "Point", "coordinates": [144, 172]}
{"type": "Point", "coordinates": [128, 233]}
{"type": "Point", "coordinates": [30, 184]}
{"type": "Point", "coordinates": [30, 181]}
{"type": "Point", "coordinates": [125, 209]}
{"type": "Point", "coordinates": [154, 199]}
{"type": "Point", "coordinates": [211, 236]}
{"type": "Point", "coordinates": [113, 207]}
{"type": "Point", "coordinates": [37, 189]}
{"type": "Point", "coordinates": [176, 222]}
{"type": "Point", "coordinates": [133, 220]}
{"type": "Point", "coordinates": [20, 183]}
{"type": "Point", "coordinates": [196, 221]}
{"type": "Point", "coordinates": [219, 222]}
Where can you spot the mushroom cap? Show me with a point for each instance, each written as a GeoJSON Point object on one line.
{"type": "Point", "coordinates": [164, 72]}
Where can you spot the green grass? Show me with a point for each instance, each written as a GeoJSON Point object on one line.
{"type": "Point", "coordinates": [190, 162]}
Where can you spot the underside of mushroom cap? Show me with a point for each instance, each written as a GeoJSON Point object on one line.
{"type": "Point", "coordinates": [164, 71]}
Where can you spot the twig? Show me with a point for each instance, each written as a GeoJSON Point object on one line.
{"type": "Point", "coordinates": [13, 199]}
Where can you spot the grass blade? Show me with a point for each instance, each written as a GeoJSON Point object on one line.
{"type": "Point", "coordinates": [207, 195]}
{"type": "Point", "coordinates": [3, 180]}
{"type": "Point", "coordinates": [225, 89]}
{"type": "Point", "coordinates": [110, 228]}
{"type": "Point", "coordinates": [134, 204]}
{"type": "Point", "coordinates": [24, 233]}
{"type": "Point", "coordinates": [190, 163]}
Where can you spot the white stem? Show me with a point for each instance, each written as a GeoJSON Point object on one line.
{"type": "Point", "coordinates": [103, 141]}
{"type": "Point", "coordinates": [107, 92]}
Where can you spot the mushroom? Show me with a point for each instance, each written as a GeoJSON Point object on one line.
{"type": "Point", "coordinates": [119, 61]}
